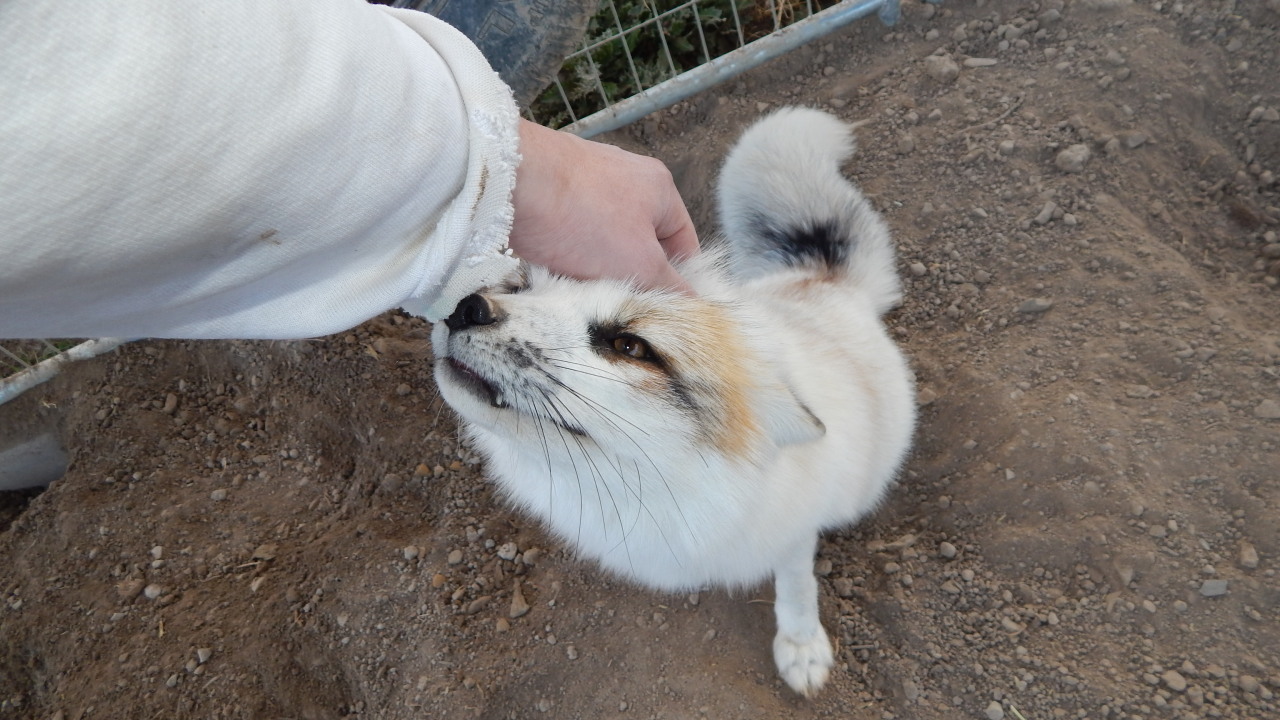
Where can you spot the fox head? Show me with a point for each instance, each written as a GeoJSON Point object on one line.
{"type": "Point", "coordinates": [552, 366]}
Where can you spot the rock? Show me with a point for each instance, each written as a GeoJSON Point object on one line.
{"type": "Point", "coordinates": [1174, 680]}
{"type": "Point", "coordinates": [1046, 213]}
{"type": "Point", "coordinates": [1267, 410]}
{"type": "Point", "coordinates": [519, 606]}
{"type": "Point", "coordinates": [203, 654]}
{"type": "Point", "coordinates": [1073, 159]}
{"type": "Point", "coordinates": [994, 711]}
{"type": "Point", "coordinates": [1248, 556]}
{"type": "Point", "coordinates": [1213, 588]}
{"type": "Point", "coordinates": [1133, 140]}
{"type": "Point", "coordinates": [478, 604]}
{"type": "Point", "coordinates": [1035, 306]}
{"type": "Point", "coordinates": [843, 587]}
{"type": "Point", "coordinates": [127, 590]}
{"type": "Point", "coordinates": [941, 68]}
{"type": "Point", "coordinates": [979, 62]}
{"type": "Point", "coordinates": [1140, 392]}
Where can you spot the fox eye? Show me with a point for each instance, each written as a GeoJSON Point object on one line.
{"type": "Point", "coordinates": [632, 346]}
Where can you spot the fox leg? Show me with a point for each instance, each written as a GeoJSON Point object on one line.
{"type": "Point", "coordinates": [801, 648]}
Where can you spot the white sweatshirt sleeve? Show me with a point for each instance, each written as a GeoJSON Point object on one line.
{"type": "Point", "coordinates": [242, 168]}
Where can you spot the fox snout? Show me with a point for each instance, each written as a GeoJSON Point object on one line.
{"type": "Point", "coordinates": [472, 310]}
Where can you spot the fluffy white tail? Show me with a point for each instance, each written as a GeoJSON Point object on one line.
{"type": "Point", "coordinates": [784, 204]}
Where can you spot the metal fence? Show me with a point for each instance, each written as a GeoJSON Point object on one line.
{"type": "Point", "coordinates": [638, 56]}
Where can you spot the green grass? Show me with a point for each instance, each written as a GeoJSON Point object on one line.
{"type": "Point", "coordinates": [654, 61]}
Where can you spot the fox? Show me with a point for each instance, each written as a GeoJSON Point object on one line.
{"type": "Point", "coordinates": [687, 441]}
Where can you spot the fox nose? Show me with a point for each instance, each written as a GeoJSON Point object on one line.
{"type": "Point", "coordinates": [472, 310]}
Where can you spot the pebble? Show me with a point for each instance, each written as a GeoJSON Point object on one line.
{"type": "Point", "coordinates": [519, 606]}
{"type": "Point", "coordinates": [410, 552]}
{"type": "Point", "coordinates": [1267, 410]}
{"type": "Point", "coordinates": [478, 604]}
{"type": "Point", "coordinates": [906, 145]}
{"type": "Point", "coordinates": [218, 495]}
{"type": "Point", "coordinates": [1248, 556]}
{"type": "Point", "coordinates": [1007, 147]}
{"type": "Point", "coordinates": [910, 690]}
{"type": "Point", "coordinates": [1174, 680]}
{"type": "Point", "coordinates": [1046, 213]}
{"type": "Point", "coordinates": [455, 557]}
{"type": "Point", "coordinates": [979, 62]}
{"type": "Point", "coordinates": [994, 711]}
{"type": "Point", "coordinates": [152, 591]}
{"type": "Point", "coordinates": [1213, 588]}
{"type": "Point", "coordinates": [918, 269]}
{"type": "Point", "coordinates": [941, 68]}
{"type": "Point", "coordinates": [1142, 392]}
{"type": "Point", "coordinates": [1072, 159]}
{"type": "Point", "coordinates": [203, 655]}
{"type": "Point", "coordinates": [1035, 306]}
{"type": "Point", "coordinates": [1133, 140]}
{"type": "Point", "coordinates": [843, 587]}
{"type": "Point", "coordinates": [946, 550]}
{"type": "Point", "coordinates": [508, 551]}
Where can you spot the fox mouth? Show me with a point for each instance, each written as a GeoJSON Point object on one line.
{"type": "Point", "coordinates": [476, 383]}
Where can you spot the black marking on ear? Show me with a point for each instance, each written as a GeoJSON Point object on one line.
{"type": "Point", "coordinates": [797, 245]}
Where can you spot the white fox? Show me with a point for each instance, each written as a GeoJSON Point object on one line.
{"type": "Point", "coordinates": [686, 441]}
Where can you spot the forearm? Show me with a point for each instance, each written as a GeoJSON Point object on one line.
{"type": "Point", "coordinates": [239, 169]}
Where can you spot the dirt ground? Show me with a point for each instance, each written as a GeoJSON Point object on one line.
{"type": "Point", "coordinates": [1089, 526]}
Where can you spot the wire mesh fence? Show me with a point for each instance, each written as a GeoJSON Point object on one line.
{"type": "Point", "coordinates": [637, 56]}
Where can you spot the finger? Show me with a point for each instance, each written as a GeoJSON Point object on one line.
{"type": "Point", "coordinates": [667, 278]}
{"type": "Point", "coordinates": [677, 235]}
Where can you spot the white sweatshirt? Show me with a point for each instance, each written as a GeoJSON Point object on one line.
{"type": "Point", "coordinates": [243, 168]}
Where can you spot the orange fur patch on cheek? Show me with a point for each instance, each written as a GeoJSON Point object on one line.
{"type": "Point", "coordinates": [711, 364]}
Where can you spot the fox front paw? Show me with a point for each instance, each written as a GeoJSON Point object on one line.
{"type": "Point", "coordinates": [804, 664]}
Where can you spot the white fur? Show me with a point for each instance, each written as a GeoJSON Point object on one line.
{"type": "Point", "coordinates": [637, 469]}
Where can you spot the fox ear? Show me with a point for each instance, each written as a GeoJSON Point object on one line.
{"type": "Point", "coordinates": [789, 421]}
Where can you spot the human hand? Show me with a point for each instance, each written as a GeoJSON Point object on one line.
{"type": "Point", "coordinates": [589, 210]}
